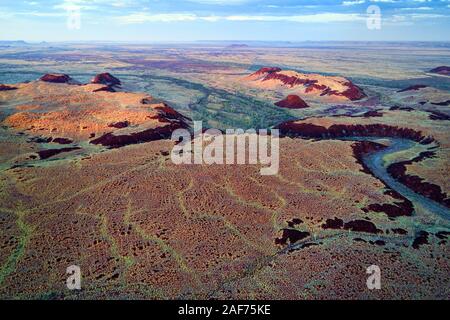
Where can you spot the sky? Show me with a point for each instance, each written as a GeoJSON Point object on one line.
{"type": "Point", "coordinates": [240, 20]}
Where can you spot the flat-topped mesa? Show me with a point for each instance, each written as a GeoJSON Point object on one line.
{"type": "Point", "coordinates": [4, 87]}
{"type": "Point", "coordinates": [73, 112]}
{"type": "Point", "coordinates": [442, 70]}
{"type": "Point", "coordinates": [292, 101]}
{"type": "Point", "coordinates": [311, 84]}
{"type": "Point", "coordinates": [56, 78]}
{"type": "Point", "coordinates": [106, 79]}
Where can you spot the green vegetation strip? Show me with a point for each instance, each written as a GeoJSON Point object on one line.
{"type": "Point", "coordinates": [25, 234]}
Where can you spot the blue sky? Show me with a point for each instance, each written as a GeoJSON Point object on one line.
{"type": "Point", "coordinates": [188, 20]}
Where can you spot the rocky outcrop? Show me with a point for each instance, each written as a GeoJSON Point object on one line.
{"type": "Point", "coordinates": [168, 114]}
{"type": "Point", "coordinates": [335, 223]}
{"type": "Point", "coordinates": [442, 70]}
{"type": "Point", "coordinates": [113, 141]}
{"type": "Point", "coordinates": [395, 108]}
{"type": "Point", "coordinates": [292, 235]}
{"type": "Point", "coordinates": [404, 208]}
{"type": "Point", "coordinates": [106, 79]}
{"type": "Point", "coordinates": [443, 103]}
{"type": "Point", "coordinates": [355, 225]}
{"type": "Point", "coordinates": [105, 89]}
{"type": "Point", "coordinates": [45, 154]}
{"type": "Point", "coordinates": [292, 101]}
{"type": "Point", "coordinates": [373, 114]}
{"type": "Point", "coordinates": [56, 78]}
{"type": "Point", "coordinates": [399, 231]}
{"type": "Point", "coordinates": [413, 88]}
{"type": "Point", "coordinates": [421, 239]}
{"type": "Point", "coordinates": [4, 87]}
{"type": "Point", "coordinates": [362, 226]}
{"type": "Point", "coordinates": [436, 115]}
{"type": "Point", "coordinates": [62, 141]}
{"type": "Point", "coordinates": [266, 70]}
{"type": "Point", "coordinates": [119, 125]}
{"type": "Point", "coordinates": [353, 93]}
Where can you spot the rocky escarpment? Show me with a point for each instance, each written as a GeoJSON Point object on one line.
{"type": "Point", "coordinates": [165, 114]}
{"type": "Point", "coordinates": [429, 190]}
{"type": "Point", "coordinates": [113, 141]}
{"type": "Point", "coordinates": [308, 130]}
{"type": "Point", "coordinates": [292, 101]}
{"type": "Point", "coordinates": [313, 84]}
{"type": "Point", "coordinates": [442, 70]}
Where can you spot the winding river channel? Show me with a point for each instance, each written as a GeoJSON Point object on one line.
{"type": "Point", "coordinates": [378, 167]}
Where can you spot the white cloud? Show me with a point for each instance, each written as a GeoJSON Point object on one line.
{"type": "Point", "coordinates": [174, 17]}
{"type": "Point", "coordinates": [311, 18]}
{"type": "Point", "coordinates": [418, 8]}
{"type": "Point", "coordinates": [352, 3]}
{"type": "Point", "coordinates": [221, 2]}
{"type": "Point", "coordinates": [142, 17]}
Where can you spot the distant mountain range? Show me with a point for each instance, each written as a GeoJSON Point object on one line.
{"type": "Point", "coordinates": [19, 43]}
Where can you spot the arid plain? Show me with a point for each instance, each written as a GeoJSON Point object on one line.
{"type": "Point", "coordinates": [87, 179]}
